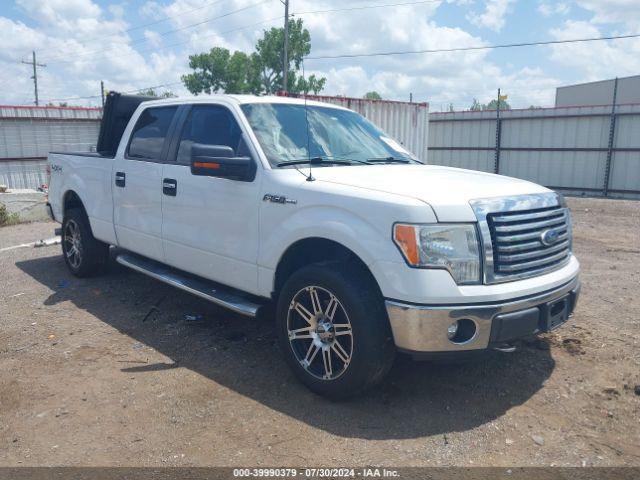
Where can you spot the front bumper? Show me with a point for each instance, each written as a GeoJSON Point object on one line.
{"type": "Point", "coordinates": [423, 328]}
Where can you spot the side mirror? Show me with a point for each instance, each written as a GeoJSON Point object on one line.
{"type": "Point", "coordinates": [220, 161]}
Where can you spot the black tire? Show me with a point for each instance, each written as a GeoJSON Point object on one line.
{"type": "Point", "coordinates": [90, 256]}
{"type": "Point", "coordinates": [369, 347]}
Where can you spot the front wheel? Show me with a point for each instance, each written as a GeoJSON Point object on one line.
{"type": "Point", "coordinates": [333, 329]}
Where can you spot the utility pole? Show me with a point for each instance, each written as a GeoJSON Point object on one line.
{"type": "Point", "coordinates": [35, 74]}
{"type": "Point", "coordinates": [102, 92]}
{"type": "Point", "coordinates": [285, 56]}
{"type": "Point", "coordinates": [496, 158]}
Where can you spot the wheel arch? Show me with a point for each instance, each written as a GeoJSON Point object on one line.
{"type": "Point", "coordinates": [313, 250]}
{"type": "Point", "coordinates": [71, 199]}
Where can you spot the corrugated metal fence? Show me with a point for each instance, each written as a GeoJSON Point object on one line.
{"type": "Point", "coordinates": [28, 134]}
{"type": "Point", "coordinates": [582, 150]}
{"type": "Point", "coordinates": [408, 123]}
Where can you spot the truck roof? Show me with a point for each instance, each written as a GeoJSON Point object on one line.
{"type": "Point", "coordinates": [119, 109]}
{"type": "Point", "coordinates": [241, 100]}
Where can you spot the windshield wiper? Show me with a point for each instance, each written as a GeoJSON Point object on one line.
{"type": "Point", "coordinates": [387, 160]}
{"type": "Point", "coordinates": [318, 161]}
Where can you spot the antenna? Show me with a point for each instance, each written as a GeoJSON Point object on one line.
{"type": "Point", "coordinates": [306, 116]}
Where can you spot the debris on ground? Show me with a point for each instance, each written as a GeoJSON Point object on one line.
{"type": "Point", "coordinates": [537, 439]}
{"type": "Point", "coordinates": [611, 391]}
{"type": "Point", "coordinates": [154, 309]}
{"type": "Point", "coordinates": [573, 346]}
{"type": "Point", "coordinates": [47, 242]}
{"type": "Point", "coordinates": [193, 317]}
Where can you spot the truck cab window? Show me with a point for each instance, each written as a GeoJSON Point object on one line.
{"type": "Point", "coordinates": [150, 132]}
{"type": "Point", "coordinates": [208, 125]}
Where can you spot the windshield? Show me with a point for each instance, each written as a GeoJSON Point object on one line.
{"type": "Point", "coordinates": [333, 134]}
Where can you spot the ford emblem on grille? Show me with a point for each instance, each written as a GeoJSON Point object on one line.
{"type": "Point", "coordinates": [549, 237]}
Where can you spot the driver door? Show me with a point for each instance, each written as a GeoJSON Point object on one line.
{"type": "Point", "coordinates": [210, 224]}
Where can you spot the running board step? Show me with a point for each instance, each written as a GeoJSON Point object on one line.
{"type": "Point", "coordinates": [189, 283]}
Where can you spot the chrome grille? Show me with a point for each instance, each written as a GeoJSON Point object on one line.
{"type": "Point", "coordinates": [517, 240]}
{"type": "Point", "coordinates": [511, 230]}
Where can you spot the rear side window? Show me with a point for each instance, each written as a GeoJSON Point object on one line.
{"type": "Point", "coordinates": [209, 125]}
{"type": "Point", "coordinates": [150, 132]}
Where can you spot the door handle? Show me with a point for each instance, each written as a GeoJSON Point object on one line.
{"type": "Point", "coordinates": [169, 187]}
{"type": "Point", "coordinates": [120, 179]}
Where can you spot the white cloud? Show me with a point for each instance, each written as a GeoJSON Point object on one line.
{"type": "Point", "coordinates": [549, 9]}
{"type": "Point", "coordinates": [613, 11]}
{"type": "Point", "coordinates": [117, 10]}
{"type": "Point", "coordinates": [153, 38]}
{"type": "Point", "coordinates": [151, 10]}
{"type": "Point", "coordinates": [85, 44]}
{"type": "Point", "coordinates": [595, 60]}
{"type": "Point", "coordinates": [494, 15]}
{"type": "Point", "coordinates": [80, 45]}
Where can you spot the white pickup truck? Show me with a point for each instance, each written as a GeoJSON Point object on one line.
{"type": "Point", "coordinates": [364, 249]}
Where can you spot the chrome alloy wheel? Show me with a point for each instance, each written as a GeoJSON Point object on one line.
{"type": "Point", "coordinates": [73, 243]}
{"type": "Point", "coordinates": [320, 333]}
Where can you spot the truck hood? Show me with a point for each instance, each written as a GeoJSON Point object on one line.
{"type": "Point", "coordinates": [447, 190]}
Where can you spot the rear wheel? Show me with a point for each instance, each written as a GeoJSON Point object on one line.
{"type": "Point", "coordinates": [83, 253]}
{"type": "Point", "coordinates": [333, 330]}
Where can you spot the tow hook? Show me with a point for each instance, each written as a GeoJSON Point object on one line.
{"type": "Point", "coordinates": [505, 348]}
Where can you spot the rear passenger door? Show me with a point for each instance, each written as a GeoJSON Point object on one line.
{"type": "Point", "coordinates": [210, 224]}
{"type": "Point", "coordinates": [137, 183]}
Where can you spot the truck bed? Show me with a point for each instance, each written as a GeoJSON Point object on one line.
{"type": "Point", "coordinates": [86, 154]}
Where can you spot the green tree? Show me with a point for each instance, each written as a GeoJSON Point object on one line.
{"type": "Point", "coordinates": [219, 70]}
{"type": "Point", "coordinates": [373, 95]}
{"type": "Point", "coordinates": [476, 106]}
{"type": "Point", "coordinates": [493, 105]}
{"type": "Point", "coordinates": [261, 72]}
{"type": "Point", "coordinates": [150, 92]}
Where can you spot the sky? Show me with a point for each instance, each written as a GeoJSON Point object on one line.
{"type": "Point", "coordinates": [134, 44]}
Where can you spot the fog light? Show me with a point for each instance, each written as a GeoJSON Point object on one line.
{"type": "Point", "coordinates": [452, 330]}
{"type": "Point", "coordinates": [461, 331]}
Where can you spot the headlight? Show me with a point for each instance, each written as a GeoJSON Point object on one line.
{"type": "Point", "coordinates": [453, 247]}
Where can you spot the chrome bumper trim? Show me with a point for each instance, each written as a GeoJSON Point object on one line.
{"type": "Point", "coordinates": [419, 328]}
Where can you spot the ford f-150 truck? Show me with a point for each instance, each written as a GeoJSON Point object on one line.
{"type": "Point", "coordinates": [364, 249]}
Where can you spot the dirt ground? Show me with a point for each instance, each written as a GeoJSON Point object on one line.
{"type": "Point", "coordinates": [109, 372]}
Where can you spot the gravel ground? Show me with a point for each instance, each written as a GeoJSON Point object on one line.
{"type": "Point", "coordinates": [108, 372]}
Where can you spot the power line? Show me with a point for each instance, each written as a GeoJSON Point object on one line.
{"type": "Point", "coordinates": [89, 97]}
{"type": "Point", "coordinates": [137, 52]}
{"type": "Point", "coordinates": [168, 32]}
{"type": "Point", "coordinates": [138, 27]}
{"type": "Point", "coordinates": [333, 10]}
{"type": "Point", "coordinates": [464, 49]}
{"type": "Point", "coordinates": [366, 7]}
